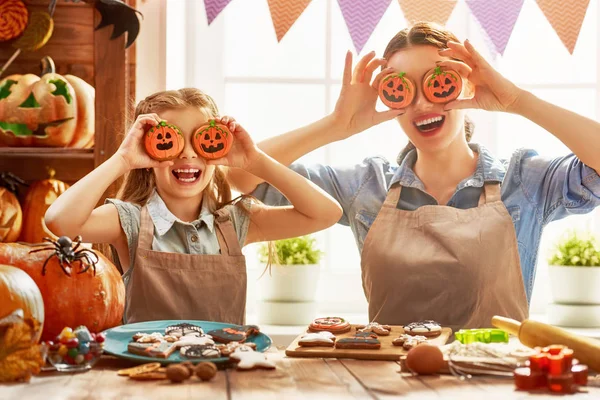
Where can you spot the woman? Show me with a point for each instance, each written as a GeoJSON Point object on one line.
{"type": "Point", "coordinates": [452, 233]}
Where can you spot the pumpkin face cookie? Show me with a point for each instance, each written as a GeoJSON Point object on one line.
{"type": "Point", "coordinates": [397, 90]}
{"type": "Point", "coordinates": [442, 85]}
{"type": "Point", "coordinates": [212, 141]}
{"type": "Point", "coordinates": [331, 324]}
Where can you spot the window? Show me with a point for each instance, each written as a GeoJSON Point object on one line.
{"type": "Point", "coordinates": [273, 87]}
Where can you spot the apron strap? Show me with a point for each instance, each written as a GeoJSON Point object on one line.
{"type": "Point", "coordinates": [393, 196]}
{"type": "Point", "coordinates": [226, 235]}
{"type": "Point", "coordinates": [146, 230]}
{"type": "Point", "coordinates": [490, 193]}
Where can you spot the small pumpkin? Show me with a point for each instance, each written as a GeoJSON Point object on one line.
{"type": "Point", "coordinates": [51, 111]}
{"type": "Point", "coordinates": [39, 197]}
{"type": "Point", "coordinates": [94, 298]}
{"type": "Point", "coordinates": [11, 214]}
{"type": "Point", "coordinates": [442, 85]}
{"type": "Point", "coordinates": [164, 142]}
{"type": "Point", "coordinates": [397, 90]}
{"type": "Point", "coordinates": [19, 292]}
{"type": "Point", "coordinates": [212, 140]}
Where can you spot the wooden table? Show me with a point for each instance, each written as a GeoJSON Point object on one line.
{"type": "Point", "coordinates": [295, 378]}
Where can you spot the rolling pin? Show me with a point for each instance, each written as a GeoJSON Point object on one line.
{"type": "Point", "coordinates": [534, 333]}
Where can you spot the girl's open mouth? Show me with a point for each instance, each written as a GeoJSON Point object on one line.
{"type": "Point", "coordinates": [187, 175]}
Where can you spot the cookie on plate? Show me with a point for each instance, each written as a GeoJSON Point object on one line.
{"type": "Point", "coordinates": [331, 324]}
{"type": "Point", "coordinates": [200, 351]}
{"type": "Point", "coordinates": [183, 329]}
{"type": "Point", "coordinates": [381, 330]}
{"type": "Point", "coordinates": [314, 339]}
{"type": "Point", "coordinates": [190, 340]}
{"type": "Point", "coordinates": [234, 333]}
{"type": "Point", "coordinates": [426, 328]}
{"type": "Point", "coordinates": [361, 341]}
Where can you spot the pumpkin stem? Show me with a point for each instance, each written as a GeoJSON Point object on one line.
{"type": "Point", "coordinates": [47, 65]}
{"type": "Point", "coordinates": [212, 123]}
{"type": "Point", "coordinates": [51, 172]}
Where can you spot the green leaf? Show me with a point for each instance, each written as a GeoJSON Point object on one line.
{"type": "Point", "coordinates": [295, 251]}
{"type": "Point", "coordinates": [576, 249]}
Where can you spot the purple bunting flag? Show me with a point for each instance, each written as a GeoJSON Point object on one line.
{"type": "Point", "coordinates": [497, 18]}
{"type": "Point", "coordinates": [362, 16]}
{"type": "Point", "coordinates": [214, 8]}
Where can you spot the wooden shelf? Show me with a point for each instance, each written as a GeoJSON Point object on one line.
{"type": "Point", "coordinates": [31, 163]}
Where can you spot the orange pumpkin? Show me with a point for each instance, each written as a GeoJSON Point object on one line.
{"type": "Point", "coordinates": [95, 298]}
{"type": "Point", "coordinates": [39, 197]}
{"type": "Point", "coordinates": [19, 291]}
{"type": "Point", "coordinates": [164, 142]}
{"type": "Point", "coordinates": [397, 90]}
{"type": "Point", "coordinates": [212, 140]}
{"type": "Point", "coordinates": [442, 85]}
{"type": "Point", "coordinates": [11, 216]}
{"type": "Point", "coordinates": [51, 111]}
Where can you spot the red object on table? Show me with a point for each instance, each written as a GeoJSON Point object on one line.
{"type": "Point", "coordinates": [580, 374]}
{"type": "Point", "coordinates": [556, 365]}
{"type": "Point", "coordinates": [526, 379]}
{"type": "Point", "coordinates": [561, 383]}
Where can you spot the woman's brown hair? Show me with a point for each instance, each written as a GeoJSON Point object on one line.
{"type": "Point", "coordinates": [139, 183]}
{"type": "Point", "coordinates": [423, 33]}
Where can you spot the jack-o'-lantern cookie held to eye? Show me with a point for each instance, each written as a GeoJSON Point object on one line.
{"type": "Point", "coordinates": [212, 140]}
{"type": "Point", "coordinates": [397, 90]}
{"type": "Point", "coordinates": [164, 142]}
{"type": "Point", "coordinates": [442, 85]}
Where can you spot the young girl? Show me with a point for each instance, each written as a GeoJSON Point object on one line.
{"type": "Point", "coordinates": [176, 231]}
{"type": "Point", "coordinates": [451, 233]}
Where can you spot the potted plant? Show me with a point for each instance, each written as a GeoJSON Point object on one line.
{"type": "Point", "coordinates": [287, 288]}
{"type": "Point", "coordinates": [574, 270]}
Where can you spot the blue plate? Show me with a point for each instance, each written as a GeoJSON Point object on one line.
{"type": "Point", "coordinates": [119, 337]}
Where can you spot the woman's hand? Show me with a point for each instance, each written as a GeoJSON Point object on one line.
{"type": "Point", "coordinates": [243, 150]}
{"type": "Point", "coordinates": [132, 149]}
{"type": "Point", "coordinates": [493, 92]}
{"type": "Point", "coordinates": [355, 109]}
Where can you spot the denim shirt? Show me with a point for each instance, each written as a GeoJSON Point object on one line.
{"type": "Point", "coordinates": [535, 190]}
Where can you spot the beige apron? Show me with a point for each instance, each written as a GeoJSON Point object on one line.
{"type": "Point", "coordinates": [209, 287]}
{"type": "Point", "coordinates": [457, 267]}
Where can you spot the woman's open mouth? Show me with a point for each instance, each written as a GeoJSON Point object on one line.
{"type": "Point", "coordinates": [429, 124]}
{"type": "Point", "coordinates": [186, 175]}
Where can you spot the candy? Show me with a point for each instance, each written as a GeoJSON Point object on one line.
{"type": "Point", "coordinates": [83, 334]}
{"type": "Point", "coordinates": [89, 356]}
{"type": "Point", "coordinates": [84, 348]}
{"type": "Point", "coordinates": [100, 337]}
{"type": "Point", "coordinates": [466, 336]}
{"type": "Point", "coordinates": [72, 353]}
{"type": "Point", "coordinates": [66, 333]}
{"type": "Point", "coordinates": [62, 350]}
{"type": "Point", "coordinates": [539, 362]}
{"type": "Point", "coordinates": [79, 359]}
{"type": "Point", "coordinates": [72, 343]}
{"type": "Point", "coordinates": [554, 350]}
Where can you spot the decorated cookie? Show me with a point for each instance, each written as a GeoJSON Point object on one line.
{"type": "Point", "coordinates": [409, 341]}
{"type": "Point", "coordinates": [162, 350]}
{"type": "Point", "coordinates": [426, 328]}
{"type": "Point", "coordinates": [190, 340]}
{"type": "Point", "coordinates": [397, 90]}
{"type": "Point", "coordinates": [229, 348]}
{"type": "Point", "coordinates": [330, 324]}
{"type": "Point", "coordinates": [381, 330]}
{"type": "Point", "coordinates": [164, 142]}
{"type": "Point", "coordinates": [234, 334]}
{"type": "Point", "coordinates": [248, 360]}
{"type": "Point", "coordinates": [442, 85]}
{"type": "Point", "coordinates": [200, 351]}
{"type": "Point", "coordinates": [141, 349]}
{"type": "Point", "coordinates": [154, 337]}
{"type": "Point", "coordinates": [184, 329]}
{"type": "Point", "coordinates": [212, 140]}
{"type": "Point", "coordinates": [313, 339]}
{"type": "Point", "coordinates": [363, 342]}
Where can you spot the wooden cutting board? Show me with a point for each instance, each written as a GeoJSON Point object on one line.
{"type": "Point", "coordinates": [387, 351]}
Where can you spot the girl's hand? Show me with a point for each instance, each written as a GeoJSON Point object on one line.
{"type": "Point", "coordinates": [132, 149]}
{"type": "Point", "coordinates": [493, 92]}
{"type": "Point", "coordinates": [355, 109]}
{"type": "Point", "coordinates": [243, 151]}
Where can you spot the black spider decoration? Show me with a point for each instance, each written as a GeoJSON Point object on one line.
{"type": "Point", "coordinates": [11, 181]}
{"type": "Point", "coordinates": [65, 252]}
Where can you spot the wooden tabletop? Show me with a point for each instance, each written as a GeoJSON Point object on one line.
{"type": "Point", "coordinates": [294, 378]}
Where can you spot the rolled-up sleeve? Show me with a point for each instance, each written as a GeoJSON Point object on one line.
{"type": "Point", "coordinates": [129, 216]}
{"type": "Point", "coordinates": [559, 186]}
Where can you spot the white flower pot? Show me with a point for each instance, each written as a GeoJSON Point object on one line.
{"type": "Point", "coordinates": [575, 285]}
{"type": "Point", "coordinates": [286, 313]}
{"type": "Point", "coordinates": [574, 315]}
{"type": "Point", "coordinates": [289, 283]}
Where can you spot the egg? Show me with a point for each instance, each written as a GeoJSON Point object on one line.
{"type": "Point", "coordinates": [425, 359]}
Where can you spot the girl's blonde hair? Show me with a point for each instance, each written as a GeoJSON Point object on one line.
{"type": "Point", "coordinates": [424, 33]}
{"type": "Point", "coordinates": [139, 183]}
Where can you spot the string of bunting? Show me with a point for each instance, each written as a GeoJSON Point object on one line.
{"type": "Point", "coordinates": [496, 18]}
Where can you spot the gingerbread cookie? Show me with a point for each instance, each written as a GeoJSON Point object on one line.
{"type": "Point", "coordinates": [154, 337]}
{"type": "Point", "coordinates": [381, 330]}
{"type": "Point", "coordinates": [140, 369]}
{"type": "Point", "coordinates": [200, 351]}
{"type": "Point", "coordinates": [162, 350]}
{"type": "Point", "coordinates": [313, 339]}
{"type": "Point", "coordinates": [229, 348]}
{"type": "Point", "coordinates": [248, 360]}
{"type": "Point", "coordinates": [184, 329]}
{"type": "Point", "coordinates": [361, 341]}
{"type": "Point", "coordinates": [234, 334]}
{"type": "Point", "coordinates": [141, 349]}
{"type": "Point", "coordinates": [408, 341]}
{"type": "Point", "coordinates": [330, 324]}
{"type": "Point", "coordinates": [191, 340]}
{"type": "Point", "coordinates": [426, 328]}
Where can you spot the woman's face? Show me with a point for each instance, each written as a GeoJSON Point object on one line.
{"type": "Point", "coordinates": [427, 125]}
{"type": "Point", "coordinates": [189, 175]}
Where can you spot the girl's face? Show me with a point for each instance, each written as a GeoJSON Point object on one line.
{"type": "Point", "coordinates": [427, 125]}
{"type": "Point", "coordinates": [189, 174]}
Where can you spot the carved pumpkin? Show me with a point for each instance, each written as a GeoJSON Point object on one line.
{"type": "Point", "coordinates": [39, 197]}
{"type": "Point", "coordinates": [95, 298]}
{"type": "Point", "coordinates": [212, 140]}
{"type": "Point", "coordinates": [164, 142]}
{"type": "Point", "coordinates": [442, 86]}
{"type": "Point", "coordinates": [11, 216]}
{"type": "Point", "coordinates": [19, 292]}
{"type": "Point", "coordinates": [397, 90]}
{"type": "Point", "coordinates": [51, 111]}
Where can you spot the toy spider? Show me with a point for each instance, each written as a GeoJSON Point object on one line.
{"type": "Point", "coordinates": [11, 181]}
{"type": "Point", "coordinates": [66, 253]}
